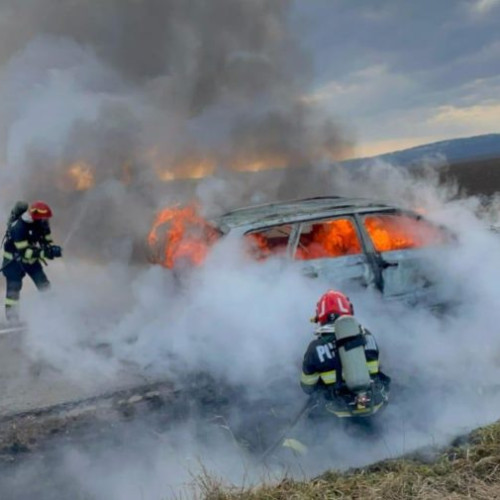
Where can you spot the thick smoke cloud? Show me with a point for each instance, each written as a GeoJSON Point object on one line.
{"type": "Point", "coordinates": [245, 325]}
{"type": "Point", "coordinates": [116, 96]}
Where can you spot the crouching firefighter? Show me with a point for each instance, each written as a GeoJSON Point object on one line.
{"type": "Point", "coordinates": [27, 244]}
{"type": "Point", "coordinates": [341, 366]}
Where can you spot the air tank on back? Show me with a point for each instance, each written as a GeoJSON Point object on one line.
{"type": "Point", "coordinates": [352, 353]}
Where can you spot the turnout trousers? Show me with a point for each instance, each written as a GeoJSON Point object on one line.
{"type": "Point", "coordinates": [14, 273]}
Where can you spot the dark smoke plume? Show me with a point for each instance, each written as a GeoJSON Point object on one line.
{"type": "Point", "coordinates": [123, 93]}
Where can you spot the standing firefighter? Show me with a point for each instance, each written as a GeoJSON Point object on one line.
{"type": "Point", "coordinates": [28, 243]}
{"type": "Point", "coordinates": [342, 364]}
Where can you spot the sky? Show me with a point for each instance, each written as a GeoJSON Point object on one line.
{"type": "Point", "coordinates": [403, 73]}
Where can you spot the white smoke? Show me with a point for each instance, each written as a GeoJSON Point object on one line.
{"type": "Point", "coordinates": [245, 324]}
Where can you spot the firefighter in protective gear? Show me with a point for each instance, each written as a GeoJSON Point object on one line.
{"type": "Point", "coordinates": [28, 244]}
{"type": "Point", "coordinates": [322, 367]}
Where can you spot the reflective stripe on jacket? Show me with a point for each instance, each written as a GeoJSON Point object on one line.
{"type": "Point", "coordinates": [320, 364]}
{"type": "Point", "coordinates": [25, 239]}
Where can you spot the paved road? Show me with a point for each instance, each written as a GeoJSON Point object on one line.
{"type": "Point", "coordinates": [26, 384]}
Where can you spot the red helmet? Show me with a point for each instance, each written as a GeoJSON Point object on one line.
{"type": "Point", "coordinates": [40, 210]}
{"type": "Point", "coordinates": [331, 305]}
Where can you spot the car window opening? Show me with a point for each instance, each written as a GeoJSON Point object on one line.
{"type": "Point", "coordinates": [333, 238]}
{"type": "Point", "coordinates": [400, 232]}
{"type": "Point", "coordinates": [272, 241]}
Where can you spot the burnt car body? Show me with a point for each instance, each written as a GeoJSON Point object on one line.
{"type": "Point", "coordinates": [348, 242]}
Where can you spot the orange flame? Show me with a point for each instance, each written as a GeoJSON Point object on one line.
{"type": "Point", "coordinates": [199, 164]}
{"type": "Point", "coordinates": [180, 234]}
{"type": "Point", "coordinates": [400, 232]}
{"type": "Point", "coordinates": [259, 247]}
{"type": "Point", "coordinates": [196, 169]}
{"type": "Point", "coordinates": [329, 239]}
{"type": "Point", "coordinates": [339, 237]}
{"type": "Point", "coordinates": [78, 176]}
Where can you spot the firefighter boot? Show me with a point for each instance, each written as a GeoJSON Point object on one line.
{"type": "Point", "coordinates": [12, 315]}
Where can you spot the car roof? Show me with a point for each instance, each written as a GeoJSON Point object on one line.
{"type": "Point", "coordinates": [295, 210]}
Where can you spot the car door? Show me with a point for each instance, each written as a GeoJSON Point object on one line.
{"type": "Point", "coordinates": [333, 250]}
{"type": "Point", "coordinates": [404, 244]}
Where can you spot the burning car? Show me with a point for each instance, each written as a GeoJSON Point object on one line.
{"type": "Point", "coordinates": [347, 242]}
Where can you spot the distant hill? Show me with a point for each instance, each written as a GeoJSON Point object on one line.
{"type": "Point", "coordinates": [450, 151]}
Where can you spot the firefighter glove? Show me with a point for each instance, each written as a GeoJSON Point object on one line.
{"type": "Point", "coordinates": [56, 251]}
{"type": "Point", "coordinates": [52, 252]}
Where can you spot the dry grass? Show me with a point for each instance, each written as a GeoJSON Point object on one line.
{"type": "Point", "coordinates": [469, 471]}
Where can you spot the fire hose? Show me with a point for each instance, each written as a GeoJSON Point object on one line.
{"type": "Point", "coordinates": [311, 401]}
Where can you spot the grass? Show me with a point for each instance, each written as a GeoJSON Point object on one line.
{"type": "Point", "coordinates": [471, 470]}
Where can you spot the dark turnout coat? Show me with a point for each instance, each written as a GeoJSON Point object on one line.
{"type": "Point", "coordinates": [321, 365]}
{"type": "Point", "coordinates": [26, 241]}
